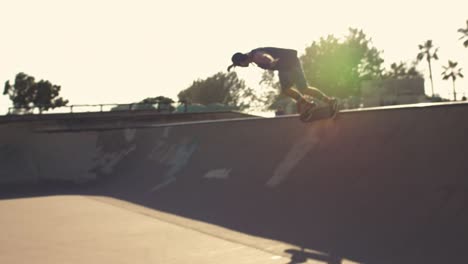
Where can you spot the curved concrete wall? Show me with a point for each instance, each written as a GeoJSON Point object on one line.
{"type": "Point", "coordinates": [365, 185]}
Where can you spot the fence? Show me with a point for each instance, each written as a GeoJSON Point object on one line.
{"type": "Point", "coordinates": [80, 108]}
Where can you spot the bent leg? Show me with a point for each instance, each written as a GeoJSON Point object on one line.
{"type": "Point", "coordinates": [293, 93]}
{"type": "Point", "coordinates": [286, 79]}
{"type": "Point", "coordinates": [287, 82]}
{"type": "Point", "coordinates": [302, 104]}
{"type": "Point", "coordinates": [316, 93]}
{"type": "Point", "coordinates": [304, 88]}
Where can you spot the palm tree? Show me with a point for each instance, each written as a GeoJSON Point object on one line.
{"type": "Point", "coordinates": [452, 72]}
{"type": "Point", "coordinates": [464, 32]}
{"type": "Point", "coordinates": [427, 51]}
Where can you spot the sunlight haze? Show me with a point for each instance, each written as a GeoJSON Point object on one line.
{"type": "Point", "coordinates": [104, 51]}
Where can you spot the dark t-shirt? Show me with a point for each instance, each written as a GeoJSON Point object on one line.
{"type": "Point", "coordinates": [287, 58]}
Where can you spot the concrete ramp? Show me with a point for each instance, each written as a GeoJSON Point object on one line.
{"type": "Point", "coordinates": [374, 186]}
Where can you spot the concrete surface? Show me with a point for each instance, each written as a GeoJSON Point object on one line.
{"type": "Point", "coordinates": [78, 229]}
{"type": "Point", "coordinates": [374, 186]}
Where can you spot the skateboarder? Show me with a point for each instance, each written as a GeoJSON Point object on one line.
{"type": "Point", "coordinates": [290, 74]}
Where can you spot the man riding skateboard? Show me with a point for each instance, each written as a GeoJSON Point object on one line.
{"type": "Point", "coordinates": [290, 74]}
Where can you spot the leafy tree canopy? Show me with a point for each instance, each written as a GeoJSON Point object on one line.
{"type": "Point", "coordinates": [402, 71]}
{"type": "Point", "coordinates": [223, 88]}
{"type": "Point", "coordinates": [26, 93]}
{"type": "Point", "coordinates": [338, 66]}
{"type": "Point", "coordinates": [161, 102]}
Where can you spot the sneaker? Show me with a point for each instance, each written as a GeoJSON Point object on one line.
{"type": "Point", "coordinates": [304, 106]}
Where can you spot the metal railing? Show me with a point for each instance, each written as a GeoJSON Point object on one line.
{"type": "Point", "coordinates": [83, 108]}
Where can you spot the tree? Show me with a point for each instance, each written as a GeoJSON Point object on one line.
{"type": "Point", "coordinates": [163, 103]}
{"type": "Point", "coordinates": [224, 88]}
{"type": "Point", "coordinates": [402, 71]}
{"type": "Point", "coordinates": [270, 88]}
{"type": "Point", "coordinates": [464, 32]}
{"type": "Point", "coordinates": [26, 93]}
{"type": "Point", "coordinates": [452, 72]}
{"type": "Point", "coordinates": [338, 67]}
{"type": "Point", "coordinates": [428, 52]}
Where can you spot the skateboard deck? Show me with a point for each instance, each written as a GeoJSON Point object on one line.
{"type": "Point", "coordinates": [317, 114]}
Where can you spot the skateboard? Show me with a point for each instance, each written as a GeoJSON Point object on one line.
{"type": "Point", "coordinates": [319, 113]}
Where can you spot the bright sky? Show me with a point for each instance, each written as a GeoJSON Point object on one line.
{"type": "Point", "coordinates": [122, 51]}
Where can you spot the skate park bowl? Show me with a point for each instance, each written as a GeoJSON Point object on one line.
{"type": "Point", "coordinates": [380, 185]}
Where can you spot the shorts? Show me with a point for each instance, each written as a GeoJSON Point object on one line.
{"type": "Point", "coordinates": [292, 77]}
